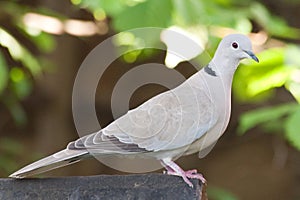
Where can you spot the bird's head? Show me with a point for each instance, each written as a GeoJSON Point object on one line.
{"type": "Point", "coordinates": [236, 47]}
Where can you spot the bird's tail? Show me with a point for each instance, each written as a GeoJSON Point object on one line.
{"type": "Point", "coordinates": [59, 159]}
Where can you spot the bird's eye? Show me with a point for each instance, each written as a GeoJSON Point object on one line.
{"type": "Point", "coordinates": [235, 45]}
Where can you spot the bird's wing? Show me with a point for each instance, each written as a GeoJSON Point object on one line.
{"type": "Point", "coordinates": [167, 121]}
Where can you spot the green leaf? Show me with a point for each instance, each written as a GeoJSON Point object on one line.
{"type": "Point", "coordinates": [273, 24]}
{"type": "Point", "coordinates": [13, 46]}
{"type": "Point", "coordinates": [272, 78]}
{"type": "Point", "coordinates": [188, 12]}
{"type": "Point", "coordinates": [44, 41]}
{"type": "Point", "coordinates": [31, 62]}
{"type": "Point", "coordinates": [292, 60]}
{"type": "Point", "coordinates": [3, 73]}
{"type": "Point", "coordinates": [154, 13]}
{"type": "Point", "coordinates": [22, 88]}
{"type": "Point", "coordinates": [254, 79]}
{"type": "Point", "coordinates": [21, 84]}
{"type": "Point", "coordinates": [113, 8]}
{"type": "Point", "coordinates": [257, 117]}
{"type": "Point", "coordinates": [294, 88]}
{"type": "Point", "coordinates": [292, 127]}
{"type": "Point", "coordinates": [292, 53]}
{"type": "Point", "coordinates": [19, 53]}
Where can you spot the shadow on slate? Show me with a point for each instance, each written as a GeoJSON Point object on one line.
{"type": "Point", "coordinates": [142, 186]}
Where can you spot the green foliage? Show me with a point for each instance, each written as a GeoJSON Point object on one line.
{"type": "Point", "coordinates": [264, 115]}
{"type": "Point", "coordinates": [128, 14]}
{"type": "Point", "coordinates": [292, 128]}
{"type": "Point", "coordinates": [16, 79]}
{"type": "Point", "coordinates": [254, 81]}
{"type": "Point", "coordinates": [43, 41]}
{"type": "Point", "coordinates": [155, 13]}
{"type": "Point", "coordinates": [3, 73]}
{"type": "Point", "coordinates": [284, 118]}
{"type": "Point", "coordinates": [274, 25]}
{"type": "Point", "coordinates": [279, 67]}
{"type": "Point", "coordinates": [19, 52]}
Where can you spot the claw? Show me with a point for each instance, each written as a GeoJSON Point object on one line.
{"type": "Point", "coordinates": [173, 169]}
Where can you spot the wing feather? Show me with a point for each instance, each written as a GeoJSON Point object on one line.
{"type": "Point", "coordinates": [170, 120]}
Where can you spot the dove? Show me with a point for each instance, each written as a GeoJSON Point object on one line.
{"type": "Point", "coordinates": [187, 119]}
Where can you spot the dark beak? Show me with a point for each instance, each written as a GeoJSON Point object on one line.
{"type": "Point", "coordinates": [251, 54]}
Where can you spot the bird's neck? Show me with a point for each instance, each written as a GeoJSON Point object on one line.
{"type": "Point", "coordinates": [224, 68]}
{"type": "Point", "coordinates": [218, 77]}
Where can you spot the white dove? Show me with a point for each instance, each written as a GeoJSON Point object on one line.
{"type": "Point", "coordinates": [187, 119]}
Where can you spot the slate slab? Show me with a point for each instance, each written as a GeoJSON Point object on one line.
{"type": "Point", "coordinates": [112, 187]}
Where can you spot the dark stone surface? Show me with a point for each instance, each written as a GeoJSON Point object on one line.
{"type": "Point", "coordinates": [112, 187]}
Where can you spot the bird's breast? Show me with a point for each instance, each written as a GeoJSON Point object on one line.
{"type": "Point", "coordinates": [218, 91]}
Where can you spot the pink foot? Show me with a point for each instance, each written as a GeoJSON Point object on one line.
{"type": "Point", "coordinates": [185, 178]}
{"type": "Point", "coordinates": [173, 169]}
{"type": "Point", "coordinates": [192, 171]}
{"type": "Point", "coordinates": [189, 174]}
{"type": "Point", "coordinates": [193, 174]}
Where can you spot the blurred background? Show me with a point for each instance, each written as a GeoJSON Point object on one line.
{"type": "Point", "coordinates": [43, 43]}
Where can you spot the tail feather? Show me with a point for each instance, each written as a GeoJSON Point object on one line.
{"type": "Point", "coordinates": [59, 159]}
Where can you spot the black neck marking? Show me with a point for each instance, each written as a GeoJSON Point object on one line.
{"type": "Point", "coordinates": [209, 70]}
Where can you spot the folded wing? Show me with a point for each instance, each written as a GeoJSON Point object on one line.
{"type": "Point", "coordinates": [171, 120]}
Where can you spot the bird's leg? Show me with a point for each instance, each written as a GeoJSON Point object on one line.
{"type": "Point", "coordinates": [169, 169]}
{"type": "Point", "coordinates": [173, 169]}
